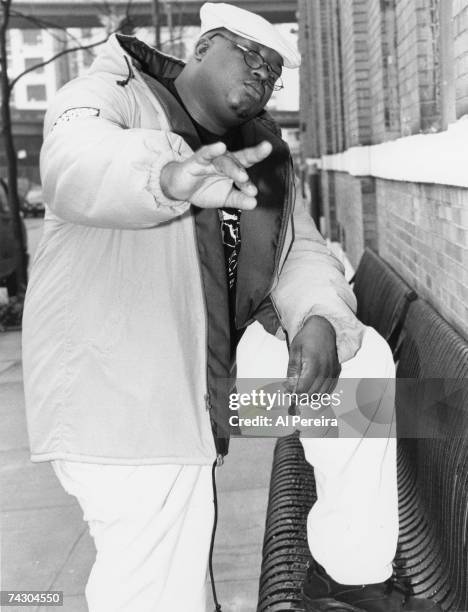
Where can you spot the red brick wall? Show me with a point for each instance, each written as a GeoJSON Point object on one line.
{"type": "Point", "coordinates": [460, 50]}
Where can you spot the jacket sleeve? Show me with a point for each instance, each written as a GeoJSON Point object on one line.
{"type": "Point", "coordinates": [312, 282]}
{"type": "Point", "coordinates": [95, 169]}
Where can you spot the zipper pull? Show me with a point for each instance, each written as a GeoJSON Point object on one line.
{"type": "Point", "coordinates": [207, 402]}
{"type": "Point", "coordinates": [219, 460]}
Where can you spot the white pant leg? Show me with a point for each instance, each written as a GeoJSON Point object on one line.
{"type": "Point", "coordinates": [353, 526]}
{"type": "Point", "coordinates": [151, 526]}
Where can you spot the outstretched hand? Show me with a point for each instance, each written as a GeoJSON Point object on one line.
{"type": "Point", "coordinates": [215, 178]}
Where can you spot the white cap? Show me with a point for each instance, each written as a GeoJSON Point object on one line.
{"type": "Point", "coordinates": [248, 25]}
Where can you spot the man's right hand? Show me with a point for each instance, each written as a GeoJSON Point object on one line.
{"type": "Point", "coordinates": [210, 176]}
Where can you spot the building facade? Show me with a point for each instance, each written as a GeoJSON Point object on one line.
{"type": "Point", "coordinates": [29, 48]}
{"type": "Point", "coordinates": [384, 124]}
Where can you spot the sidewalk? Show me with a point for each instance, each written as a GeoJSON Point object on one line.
{"type": "Point", "coordinates": [44, 542]}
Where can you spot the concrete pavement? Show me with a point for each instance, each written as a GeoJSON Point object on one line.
{"type": "Point", "coordinates": [44, 541]}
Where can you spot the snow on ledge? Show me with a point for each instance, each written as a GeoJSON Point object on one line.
{"type": "Point", "coordinates": [423, 158]}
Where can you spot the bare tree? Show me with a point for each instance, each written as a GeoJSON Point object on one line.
{"type": "Point", "coordinates": [12, 166]}
{"type": "Point", "coordinates": [6, 87]}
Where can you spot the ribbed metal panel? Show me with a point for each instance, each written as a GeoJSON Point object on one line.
{"type": "Point", "coordinates": [433, 470]}
{"type": "Point", "coordinates": [383, 297]}
{"type": "Point", "coordinates": [432, 482]}
{"type": "Point", "coordinates": [285, 549]}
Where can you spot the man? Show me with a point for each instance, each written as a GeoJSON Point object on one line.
{"type": "Point", "coordinates": [159, 248]}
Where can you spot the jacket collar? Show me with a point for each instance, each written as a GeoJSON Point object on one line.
{"type": "Point", "coordinates": [150, 60]}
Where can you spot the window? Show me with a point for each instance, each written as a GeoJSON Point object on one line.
{"type": "Point", "coordinates": [36, 93]}
{"type": "Point", "coordinates": [32, 37]}
{"type": "Point", "coordinates": [30, 62]}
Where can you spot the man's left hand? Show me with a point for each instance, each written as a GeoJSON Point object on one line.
{"type": "Point", "coordinates": [313, 360]}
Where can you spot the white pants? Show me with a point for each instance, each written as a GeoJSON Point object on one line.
{"type": "Point", "coordinates": [352, 529]}
{"type": "Point", "coordinates": [151, 525]}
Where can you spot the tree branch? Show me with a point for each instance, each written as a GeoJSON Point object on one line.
{"type": "Point", "coordinates": [44, 24]}
{"type": "Point", "coordinates": [6, 8]}
{"type": "Point", "coordinates": [48, 25]}
{"type": "Point", "coordinates": [56, 56]}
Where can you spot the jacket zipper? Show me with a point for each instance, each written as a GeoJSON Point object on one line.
{"type": "Point", "coordinates": [208, 405]}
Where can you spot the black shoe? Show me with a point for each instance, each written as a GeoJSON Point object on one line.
{"type": "Point", "coordinates": [322, 594]}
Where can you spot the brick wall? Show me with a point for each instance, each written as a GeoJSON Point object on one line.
{"type": "Point", "coordinates": [355, 213]}
{"type": "Point", "coordinates": [376, 76]}
{"type": "Point", "coordinates": [355, 62]}
{"type": "Point", "coordinates": [336, 76]}
{"type": "Point", "coordinates": [417, 56]}
{"type": "Point", "coordinates": [383, 70]}
{"type": "Point", "coordinates": [423, 232]}
{"type": "Point", "coordinates": [349, 215]}
{"type": "Point", "coordinates": [321, 96]}
{"type": "Point", "coordinates": [308, 75]}
{"type": "Point", "coordinates": [402, 68]}
{"type": "Point", "coordinates": [460, 51]}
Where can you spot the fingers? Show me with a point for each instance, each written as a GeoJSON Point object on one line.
{"type": "Point", "coordinates": [309, 378]}
{"type": "Point", "coordinates": [309, 372]}
{"type": "Point", "coordinates": [211, 163]}
{"type": "Point", "coordinates": [214, 160]}
{"type": "Point", "coordinates": [253, 155]}
{"type": "Point", "coordinates": [294, 368]}
{"type": "Point", "coordinates": [242, 159]}
{"type": "Point", "coordinates": [238, 199]}
{"type": "Point", "coordinates": [327, 385]}
{"type": "Point", "coordinates": [230, 167]}
{"type": "Point", "coordinates": [205, 155]}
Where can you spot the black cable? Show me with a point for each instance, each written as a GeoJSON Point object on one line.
{"type": "Point", "coordinates": [213, 533]}
{"type": "Point", "coordinates": [129, 76]}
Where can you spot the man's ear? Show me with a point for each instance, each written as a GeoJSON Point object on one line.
{"type": "Point", "coordinates": [202, 46]}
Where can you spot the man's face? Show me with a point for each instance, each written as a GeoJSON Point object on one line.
{"type": "Point", "coordinates": [235, 90]}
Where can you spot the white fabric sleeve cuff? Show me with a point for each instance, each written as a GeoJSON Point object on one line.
{"type": "Point", "coordinates": [154, 183]}
{"type": "Point", "coordinates": [349, 332]}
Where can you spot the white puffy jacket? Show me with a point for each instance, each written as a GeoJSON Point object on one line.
{"type": "Point", "coordinates": [114, 323]}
